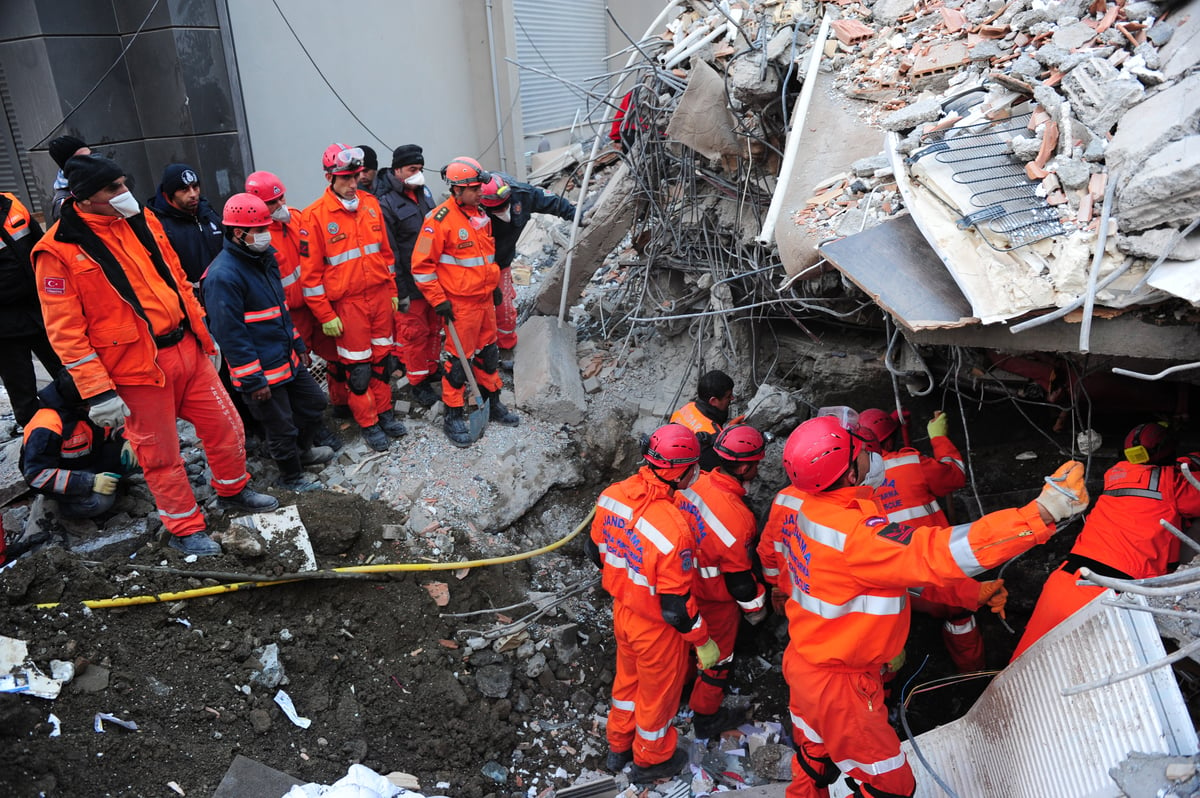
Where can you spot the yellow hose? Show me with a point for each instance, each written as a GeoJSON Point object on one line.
{"type": "Point", "coordinates": [233, 587]}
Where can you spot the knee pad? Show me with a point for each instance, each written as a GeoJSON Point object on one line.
{"type": "Point", "coordinates": [335, 371]}
{"type": "Point", "coordinates": [822, 771]}
{"type": "Point", "coordinates": [862, 790]}
{"type": "Point", "coordinates": [454, 373]}
{"type": "Point", "coordinates": [359, 378]}
{"type": "Point", "coordinates": [488, 359]}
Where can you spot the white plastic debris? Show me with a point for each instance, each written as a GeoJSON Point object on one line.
{"type": "Point", "coordinates": [98, 722]}
{"type": "Point", "coordinates": [55, 725]}
{"type": "Point", "coordinates": [1027, 456]}
{"type": "Point", "coordinates": [1088, 441]}
{"type": "Point", "coordinates": [18, 674]}
{"type": "Point", "coordinates": [285, 703]}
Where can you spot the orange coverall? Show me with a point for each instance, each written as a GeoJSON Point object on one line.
{"type": "Point", "coordinates": [453, 260]}
{"type": "Point", "coordinates": [347, 271]}
{"type": "Point", "coordinates": [1122, 538]}
{"type": "Point", "coordinates": [646, 554]}
{"type": "Point", "coordinates": [846, 570]}
{"type": "Point", "coordinates": [724, 584]}
{"type": "Point", "coordinates": [108, 344]}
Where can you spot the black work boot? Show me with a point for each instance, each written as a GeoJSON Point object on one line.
{"type": "Point", "coordinates": [249, 501]}
{"type": "Point", "coordinates": [498, 412]}
{"type": "Point", "coordinates": [454, 424]}
{"type": "Point", "coordinates": [317, 455]}
{"type": "Point", "coordinates": [663, 770]}
{"type": "Point", "coordinates": [392, 426]}
{"type": "Point", "coordinates": [424, 394]}
{"type": "Point", "coordinates": [376, 438]}
{"type": "Point", "coordinates": [323, 436]}
{"type": "Point", "coordinates": [616, 761]}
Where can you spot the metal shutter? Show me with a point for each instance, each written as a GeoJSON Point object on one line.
{"type": "Point", "coordinates": [567, 38]}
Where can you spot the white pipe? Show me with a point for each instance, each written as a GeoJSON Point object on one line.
{"type": "Point", "coordinates": [694, 47]}
{"type": "Point", "coordinates": [1089, 301]}
{"type": "Point", "coordinates": [496, 90]}
{"type": "Point", "coordinates": [1137, 375]}
{"type": "Point", "coordinates": [767, 236]}
{"type": "Point", "coordinates": [694, 36]}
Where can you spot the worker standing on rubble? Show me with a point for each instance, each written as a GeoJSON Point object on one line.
{"type": "Point", "coordinates": [454, 265]}
{"type": "Point", "coordinates": [511, 205]}
{"type": "Point", "coordinates": [121, 316]}
{"type": "Point", "coordinates": [708, 414]}
{"type": "Point", "coordinates": [724, 584]}
{"type": "Point", "coordinates": [1122, 537]}
{"type": "Point", "coordinates": [912, 483]}
{"type": "Point", "coordinates": [846, 571]}
{"type": "Point", "coordinates": [346, 270]}
{"type": "Point", "coordinates": [646, 553]}
{"type": "Point", "coordinates": [192, 225]}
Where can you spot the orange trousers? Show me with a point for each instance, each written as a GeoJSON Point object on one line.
{"type": "Point", "coordinates": [1060, 598]}
{"type": "Point", "coordinates": [960, 634]}
{"type": "Point", "coordinates": [193, 392]}
{"type": "Point", "coordinates": [475, 322]}
{"type": "Point", "coordinates": [840, 723]}
{"type": "Point", "coordinates": [418, 341]}
{"type": "Point", "coordinates": [722, 618]}
{"type": "Point", "coordinates": [652, 663]}
{"type": "Point", "coordinates": [506, 312]}
{"type": "Point", "coordinates": [366, 339]}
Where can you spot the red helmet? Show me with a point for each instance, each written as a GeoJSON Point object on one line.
{"type": "Point", "coordinates": [1149, 443]}
{"type": "Point", "coordinates": [740, 443]}
{"type": "Point", "coordinates": [246, 210]}
{"type": "Point", "coordinates": [265, 186]}
{"type": "Point", "coordinates": [818, 453]}
{"type": "Point", "coordinates": [464, 171]}
{"type": "Point", "coordinates": [495, 192]}
{"type": "Point", "coordinates": [671, 446]}
{"type": "Point", "coordinates": [880, 422]}
{"type": "Point", "coordinates": [342, 160]}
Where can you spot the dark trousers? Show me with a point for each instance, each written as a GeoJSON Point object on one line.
{"type": "Point", "coordinates": [292, 413]}
{"type": "Point", "coordinates": [16, 371]}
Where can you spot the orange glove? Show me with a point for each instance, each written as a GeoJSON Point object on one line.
{"type": "Point", "coordinates": [994, 595]}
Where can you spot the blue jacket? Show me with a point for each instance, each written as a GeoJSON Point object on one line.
{"type": "Point", "coordinates": [249, 320]}
{"type": "Point", "coordinates": [403, 217]}
{"type": "Point", "coordinates": [526, 201]}
{"type": "Point", "coordinates": [63, 450]}
{"type": "Point", "coordinates": [195, 239]}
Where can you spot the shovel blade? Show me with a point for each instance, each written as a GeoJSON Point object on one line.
{"type": "Point", "coordinates": [478, 420]}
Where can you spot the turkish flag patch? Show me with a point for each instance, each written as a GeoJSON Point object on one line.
{"type": "Point", "coordinates": [54, 285]}
{"type": "Point", "coordinates": [897, 533]}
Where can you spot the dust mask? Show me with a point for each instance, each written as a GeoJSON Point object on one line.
{"type": "Point", "coordinates": [504, 215]}
{"type": "Point", "coordinates": [281, 214]}
{"type": "Point", "coordinates": [479, 222]}
{"type": "Point", "coordinates": [874, 477]}
{"type": "Point", "coordinates": [349, 204]}
{"type": "Point", "coordinates": [125, 204]}
{"type": "Point", "coordinates": [415, 181]}
{"type": "Point", "coordinates": [258, 242]}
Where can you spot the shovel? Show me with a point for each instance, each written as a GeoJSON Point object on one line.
{"type": "Point", "coordinates": [478, 419]}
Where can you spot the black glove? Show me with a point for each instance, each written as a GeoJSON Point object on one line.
{"type": "Point", "coordinates": [497, 297]}
{"type": "Point", "coordinates": [445, 310]}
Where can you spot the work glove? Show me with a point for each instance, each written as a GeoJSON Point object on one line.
{"type": "Point", "coordinates": [105, 483]}
{"type": "Point", "coordinates": [1065, 494]}
{"type": "Point", "coordinates": [897, 662]}
{"type": "Point", "coordinates": [108, 412]}
{"type": "Point", "coordinates": [778, 601]}
{"type": "Point", "coordinates": [708, 654]}
{"type": "Point", "coordinates": [994, 595]}
{"type": "Point", "coordinates": [497, 297]}
{"type": "Point", "coordinates": [333, 328]}
{"type": "Point", "coordinates": [395, 304]}
{"type": "Point", "coordinates": [129, 459]}
{"type": "Point", "coordinates": [445, 310]}
{"type": "Point", "coordinates": [755, 618]}
{"type": "Point", "coordinates": [262, 394]}
{"type": "Point", "coordinates": [402, 305]}
{"type": "Point", "coordinates": [939, 425]}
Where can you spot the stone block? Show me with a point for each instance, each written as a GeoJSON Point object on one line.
{"type": "Point", "coordinates": [888, 12]}
{"type": "Point", "coordinates": [402, 407]}
{"type": "Point", "coordinates": [912, 115]}
{"type": "Point", "coordinates": [1166, 191]}
{"type": "Point", "coordinates": [1170, 114]}
{"type": "Point", "coordinates": [546, 372]}
{"type": "Point", "coordinates": [591, 385]}
{"type": "Point", "coordinates": [1099, 95]}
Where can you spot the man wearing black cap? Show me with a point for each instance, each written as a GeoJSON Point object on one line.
{"type": "Point", "coordinates": [191, 224]}
{"type": "Point", "coordinates": [405, 201]}
{"type": "Point", "coordinates": [366, 178]}
{"type": "Point", "coordinates": [132, 335]}
{"type": "Point", "coordinates": [60, 150]}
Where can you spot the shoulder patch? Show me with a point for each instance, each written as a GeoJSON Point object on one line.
{"type": "Point", "coordinates": [685, 560]}
{"type": "Point", "coordinates": [441, 214]}
{"type": "Point", "coordinates": [875, 520]}
{"type": "Point", "coordinates": [897, 533]}
{"type": "Point", "coordinates": [304, 248]}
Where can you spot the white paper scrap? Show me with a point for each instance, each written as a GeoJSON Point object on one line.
{"type": "Point", "coordinates": [285, 703]}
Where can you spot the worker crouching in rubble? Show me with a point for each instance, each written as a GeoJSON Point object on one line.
{"type": "Point", "coordinates": [1122, 537]}
{"type": "Point", "coordinates": [708, 414]}
{"type": "Point", "coordinates": [646, 553]}
{"type": "Point", "coordinates": [846, 571]}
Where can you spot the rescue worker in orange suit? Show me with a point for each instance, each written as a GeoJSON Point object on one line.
{"type": "Point", "coordinates": [708, 414]}
{"type": "Point", "coordinates": [912, 483]}
{"type": "Point", "coordinates": [724, 585]}
{"type": "Point", "coordinates": [846, 571]}
{"type": "Point", "coordinates": [1122, 537]}
{"type": "Point", "coordinates": [406, 201]}
{"type": "Point", "coordinates": [123, 319]}
{"type": "Point", "coordinates": [645, 550]}
{"type": "Point", "coordinates": [454, 265]}
{"type": "Point", "coordinates": [346, 270]}
{"type": "Point", "coordinates": [285, 239]}
{"type": "Point", "coordinates": [65, 457]}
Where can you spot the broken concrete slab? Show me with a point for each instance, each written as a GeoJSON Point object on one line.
{"type": "Point", "coordinates": [1099, 95]}
{"type": "Point", "coordinates": [247, 778]}
{"type": "Point", "coordinates": [1165, 116]}
{"type": "Point", "coordinates": [702, 119]}
{"type": "Point", "coordinates": [1164, 192]}
{"type": "Point", "coordinates": [546, 372]}
{"type": "Point", "coordinates": [888, 12]}
{"type": "Point", "coordinates": [1153, 243]}
{"type": "Point", "coordinates": [912, 115]}
{"type": "Point", "coordinates": [1182, 52]}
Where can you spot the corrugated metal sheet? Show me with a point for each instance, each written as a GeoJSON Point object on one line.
{"type": "Point", "coordinates": [567, 38]}
{"type": "Point", "coordinates": [1024, 739]}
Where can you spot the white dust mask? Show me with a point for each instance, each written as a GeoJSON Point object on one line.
{"type": "Point", "coordinates": [874, 477]}
{"type": "Point", "coordinates": [281, 214]}
{"type": "Point", "coordinates": [258, 242]}
{"type": "Point", "coordinates": [415, 181]}
{"type": "Point", "coordinates": [125, 204]}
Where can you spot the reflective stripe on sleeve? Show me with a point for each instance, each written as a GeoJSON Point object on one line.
{"type": "Point", "coordinates": [865, 604]}
{"type": "Point", "coordinates": [960, 549]}
{"type": "Point", "coordinates": [315, 291]}
{"type": "Point", "coordinates": [266, 314]}
{"type": "Point", "coordinates": [954, 461]}
{"type": "Point", "coordinates": [425, 278]}
{"type": "Point", "coordinates": [908, 459]}
{"type": "Point", "coordinates": [76, 364]}
{"type": "Point", "coordinates": [910, 513]}
{"type": "Point", "coordinates": [291, 278]}
{"type": "Point", "coordinates": [615, 507]}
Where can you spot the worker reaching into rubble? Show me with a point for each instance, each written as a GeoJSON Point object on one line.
{"type": "Point", "coordinates": [1122, 537]}
{"type": "Point", "coordinates": [454, 265]}
{"type": "Point", "coordinates": [126, 324]}
{"type": "Point", "coordinates": [708, 414]}
{"type": "Point", "coordinates": [646, 553]}
{"type": "Point", "coordinates": [346, 269]}
{"type": "Point", "coordinates": [846, 571]}
{"type": "Point", "coordinates": [511, 205]}
{"type": "Point", "coordinates": [724, 584]}
{"type": "Point", "coordinates": [912, 484]}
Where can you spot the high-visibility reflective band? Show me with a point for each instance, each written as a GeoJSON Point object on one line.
{"type": "Point", "coordinates": [873, 768]}
{"type": "Point", "coordinates": [176, 516]}
{"type": "Point", "coordinates": [963, 627]}
{"type": "Point", "coordinates": [615, 507]}
{"type": "Point", "coordinates": [960, 549]}
{"type": "Point", "coordinates": [418, 373]}
{"type": "Point", "coordinates": [954, 462]}
{"type": "Point", "coordinates": [503, 331]}
{"type": "Point", "coordinates": [342, 257]}
{"type": "Point", "coordinates": [696, 624]}
{"type": "Point", "coordinates": [653, 734]}
{"type": "Point", "coordinates": [617, 561]}
{"type": "Point", "coordinates": [73, 454]}
{"type": "Point", "coordinates": [291, 278]}
{"type": "Point", "coordinates": [229, 481]}
{"type": "Point", "coordinates": [824, 535]}
{"type": "Point", "coordinates": [43, 476]}
{"type": "Point", "coordinates": [282, 373]}
{"type": "Point", "coordinates": [382, 342]}
{"type": "Point", "coordinates": [791, 502]}
{"type": "Point", "coordinates": [266, 314]}
{"type": "Point", "coordinates": [1149, 492]}
{"type": "Point", "coordinates": [249, 368]}
{"type": "Point", "coordinates": [370, 249]}
{"type": "Point", "coordinates": [628, 706]}
{"type": "Point", "coordinates": [757, 604]}
{"type": "Point", "coordinates": [710, 572]}
{"type": "Point", "coordinates": [803, 726]}
{"type": "Point", "coordinates": [903, 460]}
{"type": "Point", "coordinates": [710, 518]}
{"type": "Point", "coordinates": [60, 481]}
{"type": "Point", "coordinates": [425, 278]}
{"type": "Point", "coordinates": [17, 235]}
{"type": "Point", "coordinates": [467, 263]}
{"type": "Point", "coordinates": [317, 291]}
{"type": "Point", "coordinates": [355, 355]}
{"type": "Point", "coordinates": [770, 571]}
{"type": "Point", "coordinates": [916, 591]}
{"type": "Point", "coordinates": [657, 538]}
{"type": "Point", "coordinates": [81, 361]}
{"type": "Point", "coordinates": [865, 604]}
{"type": "Point", "coordinates": [914, 512]}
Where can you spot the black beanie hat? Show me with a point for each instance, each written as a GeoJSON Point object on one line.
{"type": "Point", "coordinates": [406, 155]}
{"type": "Point", "coordinates": [177, 176]}
{"type": "Point", "coordinates": [87, 174]}
{"type": "Point", "coordinates": [370, 159]}
{"type": "Point", "coordinates": [64, 147]}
